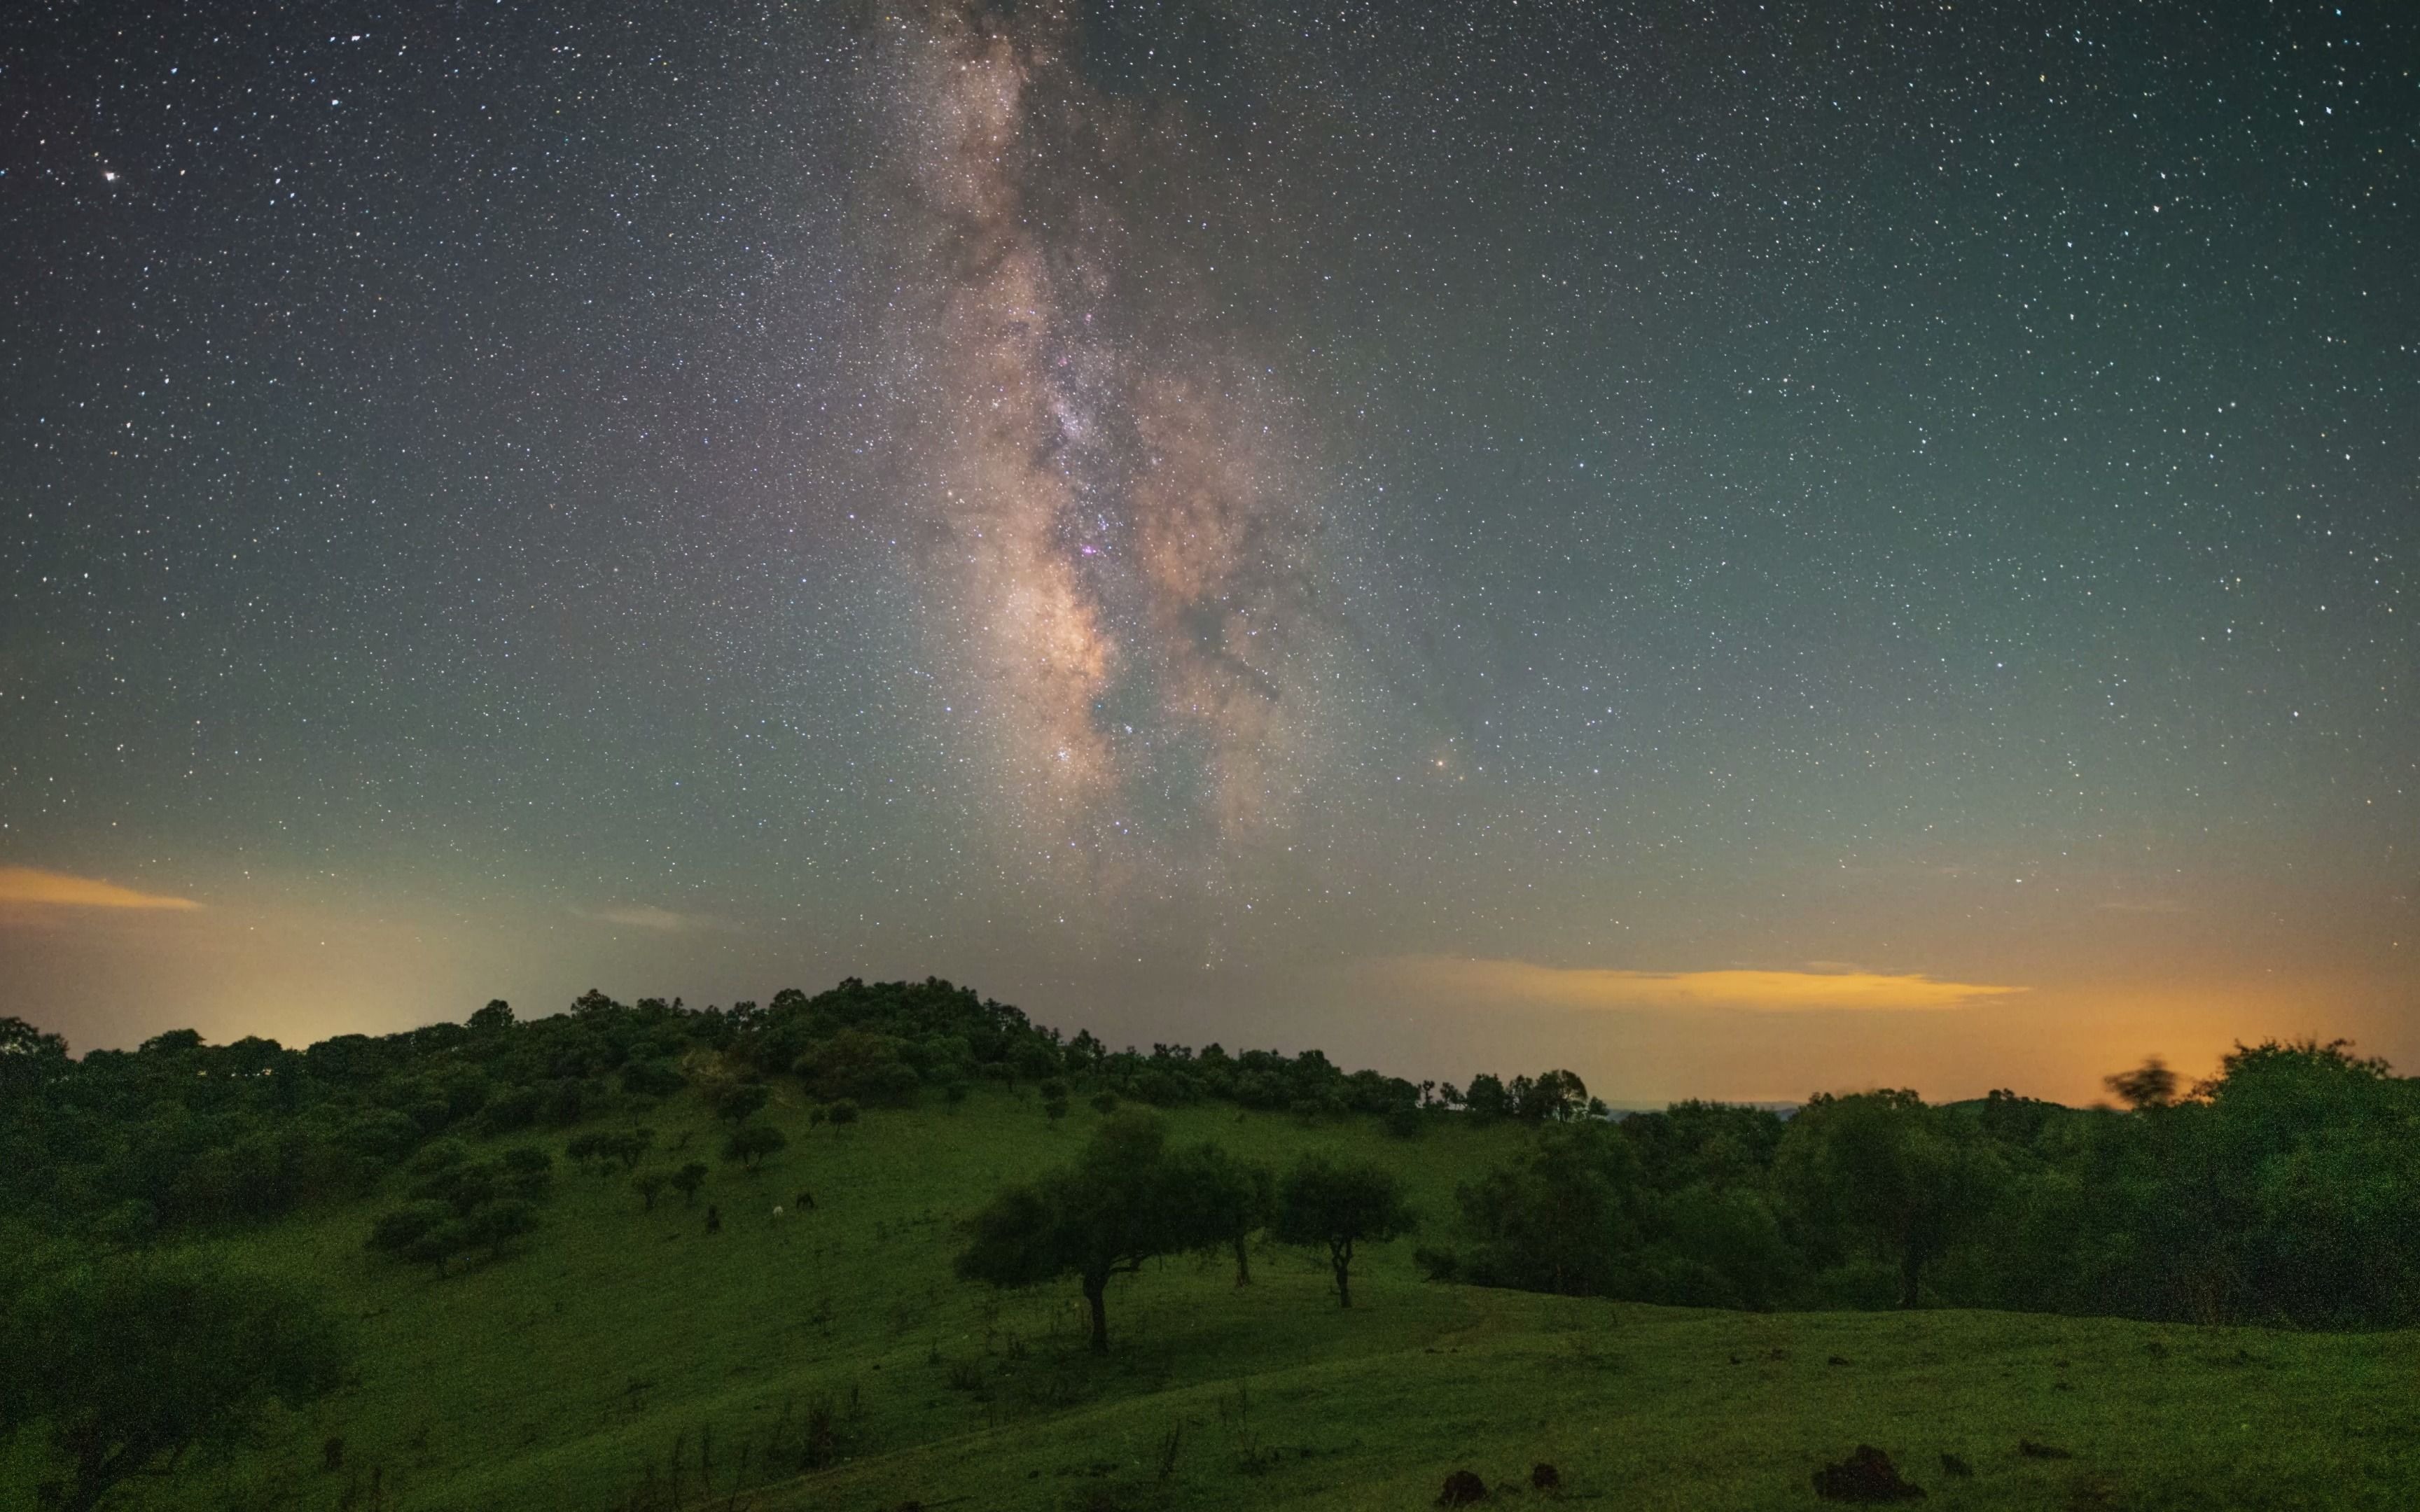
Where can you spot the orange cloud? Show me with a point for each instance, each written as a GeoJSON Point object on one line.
{"type": "Point", "coordinates": [1843, 989]}
{"type": "Point", "coordinates": [32, 885]}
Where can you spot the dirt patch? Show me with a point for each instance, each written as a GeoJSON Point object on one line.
{"type": "Point", "coordinates": [1867, 1475]}
{"type": "Point", "coordinates": [1462, 1489]}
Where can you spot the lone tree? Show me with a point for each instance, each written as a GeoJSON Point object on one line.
{"type": "Point", "coordinates": [647, 1183]}
{"type": "Point", "coordinates": [687, 1180]}
{"type": "Point", "coordinates": [1236, 1197]}
{"type": "Point", "coordinates": [134, 1362]}
{"type": "Point", "coordinates": [1341, 1205]}
{"type": "Point", "coordinates": [2151, 1085]}
{"type": "Point", "coordinates": [1124, 1201]}
{"type": "Point", "coordinates": [751, 1142]}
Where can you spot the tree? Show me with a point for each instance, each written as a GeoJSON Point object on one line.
{"type": "Point", "coordinates": [494, 1225]}
{"type": "Point", "coordinates": [647, 1183]}
{"type": "Point", "coordinates": [28, 1057]}
{"type": "Point", "coordinates": [1564, 1217]}
{"type": "Point", "coordinates": [2151, 1085]}
{"type": "Point", "coordinates": [1885, 1168]}
{"type": "Point", "coordinates": [1487, 1099]}
{"type": "Point", "coordinates": [1234, 1198]}
{"type": "Point", "coordinates": [461, 1204]}
{"type": "Point", "coordinates": [1123, 1202]}
{"type": "Point", "coordinates": [751, 1143]}
{"type": "Point", "coordinates": [687, 1180]}
{"type": "Point", "coordinates": [134, 1362]}
{"type": "Point", "coordinates": [1341, 1205]}
{"type": "Point", "coordinates": [1554, 1097]}
{"type": "Point", "coordinates": [628, 1149]}
{"type": "Point", "coordinates": [843, 1113]}
{"type": "Point", "coordinates": [741, 1102]}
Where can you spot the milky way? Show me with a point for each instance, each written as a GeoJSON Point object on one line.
{"type": "Point", "coordinates": [1119, 544]}
{"type": "Point", "coordinates": [1636, 499]}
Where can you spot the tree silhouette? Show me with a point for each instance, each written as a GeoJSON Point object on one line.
{"type": "Point", "coordinates": [2151, 1085]}
{"type": "Point", "coordinates": [1236, 1197]}
{"type": "Point", "coordinates": [687, 1180]}
{"type": "Point", "coordinates": [741, 1102]}
{"type": "Point", "coordinates": [28, 1057]}
{"type": "Point", "coordinates": [751, 1143]}
{"type": "Point", "coordinates": [647, 1183]}
{"type": "Point", "coordinates": [1321, 1203]}
{"type": "Point", "coordinates": [1123, 1202]}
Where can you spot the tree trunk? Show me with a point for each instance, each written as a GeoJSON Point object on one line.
{"type": "Point", "coordinates": [1095, 1292]}
{"type": "Point", "coordinates": [97, 1474]}
{"type": "Point", "coordinates": [1243, 1260]}
{"type": "Point", "coordinates": [1340, 1257]}
{"type": "Point", "coordinates": [1911, 1274]}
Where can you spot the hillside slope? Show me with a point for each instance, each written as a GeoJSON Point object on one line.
{"type": "Point", "coordinates": [828, 1359]}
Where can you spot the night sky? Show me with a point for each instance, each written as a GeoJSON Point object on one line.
{"type": "Point", "coordinates": [1740, 548]}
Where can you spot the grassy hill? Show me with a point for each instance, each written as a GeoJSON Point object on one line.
{"type": "Point", "coordinates": [828, 1359]}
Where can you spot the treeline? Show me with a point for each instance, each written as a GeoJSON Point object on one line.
{"type": "Point", "coordinates": [176, 1133]}
{"type": "Point", "coordinates": [2285, 1190]}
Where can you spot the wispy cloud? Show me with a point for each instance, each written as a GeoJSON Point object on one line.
{"type": "Point", "coordinates": [648, 917]}
{"type": "Point", "coordinates": [1834, 988]}
{"type": "Point", "coordinates": [61, 889]}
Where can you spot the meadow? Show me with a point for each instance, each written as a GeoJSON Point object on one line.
{"type": "Point", "coordinates": [627, 1358]}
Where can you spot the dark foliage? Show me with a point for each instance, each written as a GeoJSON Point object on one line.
{"type": "Point", "coordinates": [459, 1205]}
{"type": "Point", "coordinates": [132, 1362]}
{"type": "Point", "coordinates": [1125, 1200]}
{"type": "Point", "coordinates": [2286, 1190]}
{"type": "Point", "coordinates": [1337, 1207]}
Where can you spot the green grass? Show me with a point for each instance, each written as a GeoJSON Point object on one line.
{"type": "Point", "coordinates": [625, 1348]}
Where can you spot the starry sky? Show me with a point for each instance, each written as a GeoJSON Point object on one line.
{"type": "Point", "coordinates": [1740, 548]}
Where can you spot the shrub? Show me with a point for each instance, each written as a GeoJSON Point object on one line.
{"type": "Point", "coordinates": [510, 1111]}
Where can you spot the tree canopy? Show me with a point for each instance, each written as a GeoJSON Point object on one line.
{"type": "Point", "coordinates": [1124, 1201]}
{"type": "Point", "coordinates": [133, 1362]}
{"type": "Point", "coordinates": [1339, 1205]}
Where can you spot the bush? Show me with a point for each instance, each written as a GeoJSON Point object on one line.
{"type": "Point", "coordinates": [566, 1102]}
{"type": "Point", "coordinates": [399, 1228]}
{"type": "Point", "coordinates": [510, 1111]}
{"type": "Point", "coordinates": [652, 1078]}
